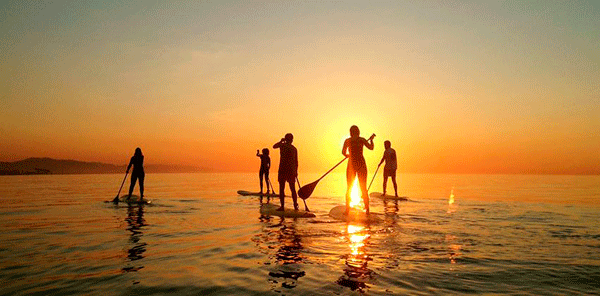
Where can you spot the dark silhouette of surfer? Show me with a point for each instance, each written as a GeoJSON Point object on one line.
{"type": "Point", "coordinates": [288, 168]}
{"type": "Point", "coordinates": [265, 166]}
{"type": "Point", "coordinates": [391, 164]}
{"type": "Point", "coordinates": [137, 161]}
{"type": "Point", "coordinates": [357, 167]}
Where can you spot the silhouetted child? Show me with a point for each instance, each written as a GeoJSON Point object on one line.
{"type": "Point", "coordinates": [389, 170]}
{"type": "Point", "coordinates": [357, 167]}
{"type": "Point", "coordinates": [137, 161]}
{"type": "Point", "coordinates": [265, 165]}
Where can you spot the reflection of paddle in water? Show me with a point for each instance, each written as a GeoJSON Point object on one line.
{"type": "Point", "coordinates": [356, 273]}
{"type": "Point", "coordinates": [135, 222]}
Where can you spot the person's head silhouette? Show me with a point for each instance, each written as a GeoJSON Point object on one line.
{"type": "Point", "coordinates": [354, 131]}
{"type": "Point", "coordinates": [289, 138]}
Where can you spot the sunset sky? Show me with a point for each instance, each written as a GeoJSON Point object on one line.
{"type": "Point", "coordinates": [456, 86]}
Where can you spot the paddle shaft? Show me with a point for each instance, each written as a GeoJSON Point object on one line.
{"type": "Point", "coordinates": [329, 171]}
{"type": "Point", "coordinates": [304, 200]}
{"type": "Point", "coordinates": [272, 189]}
{"type": "Point", "coordinates": [127, 172]}
{"type": "Point", "coordinates": [307, 190]}
{"type": "Point", "coordinates": [373, 177]}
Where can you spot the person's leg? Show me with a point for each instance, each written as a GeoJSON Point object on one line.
{"type": "Point", "coordinates": [385, 177]}
{"type": "Point", "coordinates": [267, 182]}
{"type": "Point", "coordinates": [349, 181]}
{"type": "Point", "coordinates": [362, 181]}
{"type": "Point", "coordinates": [395, 185]}
{"type": "Point", "coordinates": [142, 186]}
{"type": "Point", "coordinates": [132, 184]}
{"type": "Point", "coordinates": [281, 192]}
{"type": "Point", "coordinates": [293, 189]}
{"type": "Point", "coordinates": [260, 177]}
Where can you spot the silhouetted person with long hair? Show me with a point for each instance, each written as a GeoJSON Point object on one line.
{"type": "Point", "coordinates": [288, 168]}
{"type": "Point", "coordinates": [137, 161]}
{"type": "Point", "coordinates": [391, 164]}
{"type": "Point", "coordinates": [265, 165]}
{"type": "Point", "coordinates": [357, 167]}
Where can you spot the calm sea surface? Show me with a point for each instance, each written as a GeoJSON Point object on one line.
{"type": "Point", "coordinates": [521, 235]}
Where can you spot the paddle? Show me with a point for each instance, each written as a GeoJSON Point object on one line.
{"type": "Point", "coordinates": [272, 189]}
{"type": "Point", "coordinates": [307, 190]}
{"type": "Point", "coordinates": [117, 197]}
{"type": "Point", "coordinates": [373, 177]}
{"type": "Point", "coordinates": [303, 199]}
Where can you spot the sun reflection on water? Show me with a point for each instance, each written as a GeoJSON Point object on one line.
{"type": "Point", "coordinates": [451, 205]}
{"type": "Point", "coordinates": [356, 273]}
{"type": "Point", "coordinates": [356, 238]}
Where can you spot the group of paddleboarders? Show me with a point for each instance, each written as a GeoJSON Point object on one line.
{"type": "Point", "coordinates": [288, 168]}
{"type": "Point", "coordinates": [357, 167]}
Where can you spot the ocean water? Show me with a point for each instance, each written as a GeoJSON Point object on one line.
{"type": "Point", "coordinates": [458, 234]}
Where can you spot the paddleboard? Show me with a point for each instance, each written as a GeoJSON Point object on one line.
{"type": "Point", "coordinates": [387, 196]}
{"type": "Point", "coordinates": [271, 210]}
{"type": "Point", "coordinates": [134, 199]}
{"type": "Point", "coordinates": [338, 213]}
{"type": "Point", "coordinates": [249, 193]}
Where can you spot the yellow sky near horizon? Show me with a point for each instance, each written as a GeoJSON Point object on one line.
{"type": "Point", "coordinates": [458, 86]}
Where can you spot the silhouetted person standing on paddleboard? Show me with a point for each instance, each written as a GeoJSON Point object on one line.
{"type": "Point", "coordinates": [265, 165]}
{"type": "Point", "coordinates": [391, 164]}
{"type": "Point", "coordinates": [137, 161]}
{"type": "Point", "coordinates": [357, 167]}
{"type": "Point", "coordinates": [288, 168]}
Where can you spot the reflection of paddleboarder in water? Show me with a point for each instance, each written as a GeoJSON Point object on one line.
{"type": "Point", "coordinates": [265, 165]}
{"type": "Point", "coordinates": [357, 167]}
{"type": "Point", "coordinates": [389, 170]}
{"type": "Point", "coordinates": [135, 223]}
{"type": "Point", "coordinates": [288, 168]}
{"type": "Point", "coordinates": [137, 161]}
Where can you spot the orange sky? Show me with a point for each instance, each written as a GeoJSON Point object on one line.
{"type": "Point", "coordinates": [457, 87]}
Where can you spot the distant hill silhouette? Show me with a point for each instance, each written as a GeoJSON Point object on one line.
{"type": "Point", "coordinates": [32, 166]}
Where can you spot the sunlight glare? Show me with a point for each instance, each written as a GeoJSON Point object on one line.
{"type": "Point", "coordinates": [355, 198]}
{"type": "Point", "coordinates": [356, 239]}
{"type": "Point", "coordinates": [451, 205]}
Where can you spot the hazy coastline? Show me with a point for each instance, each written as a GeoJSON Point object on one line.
{"type": "Point", "coordinates": [50, 166]}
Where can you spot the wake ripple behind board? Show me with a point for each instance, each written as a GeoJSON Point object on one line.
{"type": "Point", "coordinates": [134, 199]}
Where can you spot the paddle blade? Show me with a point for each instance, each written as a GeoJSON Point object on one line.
{"type": "Point", "coordinates": [307, 190]}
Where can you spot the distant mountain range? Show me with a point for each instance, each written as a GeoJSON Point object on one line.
{"type": "Point", "coordinates": [33, 166]}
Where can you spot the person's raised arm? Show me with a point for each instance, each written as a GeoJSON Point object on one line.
{"type": "Point", "coordinates": [278, 144]}
{"type": "Point", "coordinates": [257, 153]}
{"type": "Point", "coordinates": [369, 143]}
